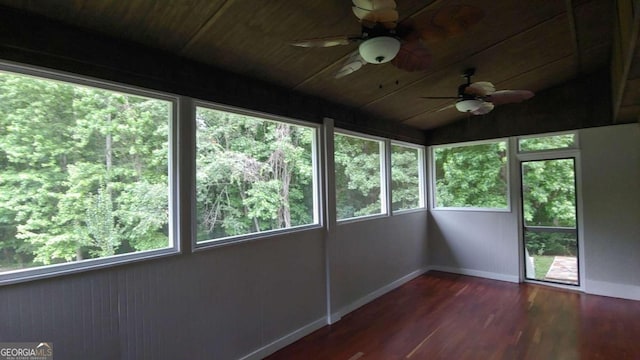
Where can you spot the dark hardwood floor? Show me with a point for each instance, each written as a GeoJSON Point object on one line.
{"type": "Point", "coordinates": [447, 316]}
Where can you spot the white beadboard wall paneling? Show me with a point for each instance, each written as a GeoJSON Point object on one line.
{"type": "Point", "coordinates": [480, 241]}
{"type": "Point", "coordinates": [221, 303]}
{"type": "Point", "coordinates": [371, 254]}
{"type": "Point", "coordinates": [78, 313]}
{"type": "Point", "coordinates": [611, 205]}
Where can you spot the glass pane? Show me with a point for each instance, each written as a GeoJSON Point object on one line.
{"type": "Point", "coordinates": [84, 172]}
{"type": "Point", "coordinates": [357, 170]}
{"type": "Point", "coordinates": [405, 177]}
{"type": "Point", "coordinates": [551, 255]}
{"type": "Point", "coordinates": [252, 175]}
{"type": "Point", "coordinates": [547, 142]}
{"type": "Point", "coordinates": [549, 210]}
{"type": "Point", "coordinates": [473, 176]}
{"type": "Point", "coordinates": [549, 193]}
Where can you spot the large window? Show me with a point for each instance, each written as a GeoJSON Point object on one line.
{"type": "Point", "coordinates": [471, 176]}
{"type": "Point", "coordinates": [406, 177]}
{"type": "Point", "coordinates": [252, 175]}
{"type": "Point", "coordinates": [359, 176]}
{"type": "Point", "coordinates": [84, 174]}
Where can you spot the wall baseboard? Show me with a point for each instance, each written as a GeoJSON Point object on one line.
{"type": "Point", "coordinates": [605, 288]}
{"type": "Point", "coordinates": [288, 339]}
{"type": "Point", "coordinates": [334, 317]}
{"type": "Point", "coordinates": [309, 328]}
{"type": "Point", "coordinates": [593, 287]}
{"type": "Point", "coordinates": [477, 273]}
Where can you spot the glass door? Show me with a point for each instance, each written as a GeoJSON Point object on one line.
{"type": "Point", "coordinates": [550, 221]}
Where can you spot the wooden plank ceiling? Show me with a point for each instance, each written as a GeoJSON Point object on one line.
{"type": "Point", "coordinates": [533, 44]}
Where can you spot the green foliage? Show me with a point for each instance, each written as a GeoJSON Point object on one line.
{"type": "Point", "coordinates": [252, 175]}
{"type": "Point", "coordinates": [471, 176]}
{"type": "Point", "coordinates": [84, 172]}
{"type": "Point", "coordinates": [357, 172]}
{"type": "Point", "coordinates": [542, 264]}
{"type": "Point", "coordinates": [550, 243]}
{"type": "Point", "coordinates": [549, 193]}
{"type": "Point", "coordinates": [100, 223]}
{"type": "Point", "coordinates": [546, 142]}
{"type": "Point", "coordinates": [405, 177]}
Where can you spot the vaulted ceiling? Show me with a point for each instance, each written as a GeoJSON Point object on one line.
{"type": "Point", "coordinates": [533, 44]}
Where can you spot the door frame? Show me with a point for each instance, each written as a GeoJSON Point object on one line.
{"type": "Point", "coordinates": [516, 198]}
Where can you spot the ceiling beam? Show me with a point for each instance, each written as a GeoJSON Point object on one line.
{"type": "Point", "coordinates": [571, 16]}
{"type": "Point", "coordinates": [625, 41]}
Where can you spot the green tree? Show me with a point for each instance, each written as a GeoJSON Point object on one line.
{"type": "Point", "coordinates": [405, 177]}
{"type": "Point", "coordinates": [252, 175]}
{"type": "Point", "coordinates": [472, 176]}
{"type": "Point", "coordinates": [357, 172]}
{"type": "Point", "coordinates": [79, 165]}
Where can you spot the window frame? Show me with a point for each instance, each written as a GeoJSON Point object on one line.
{"type": "Point", "coordinates": [422, 175]}
{"type": "Point", "coordinates": [384, 171]}
{"type": "Point", "coordinates": [315, 164]}
{"type": "Point", "coordinates": [174, 244]}
{"type": "Point", "coordinates": [432, 177]}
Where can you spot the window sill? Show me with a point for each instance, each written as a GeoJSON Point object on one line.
{"type": "Point", "coordinates": [49, 271]}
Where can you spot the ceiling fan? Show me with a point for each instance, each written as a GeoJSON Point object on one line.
{"type": "Point", "coordinates": [383, 39]}
{"type": "Point", "coordinates": [480, 97]}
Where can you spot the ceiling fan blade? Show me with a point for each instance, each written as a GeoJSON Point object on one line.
{"type": "Point", "coordinates": [413, 56]}
{"type": "Point", "coordinates": [509, 96]}
{"type": "Point", "coordinates": [480, 88]}
{"type": "Point", "coordinates": [485, 108]}
{"type": "Point", "coordinates": [446, 22]}
{"type": "Point", "coordinates": [425, 28]}
{"type": "Point", "coordinates": [326, 41]}
{"type": "Point", "coordinates": [388, 15]}
{"type": "Point", "coordinates": [457, 19]}
{"type": "Point", "coordinates": [450, 106]}
{"type": "Point", "coordinates": [406, 30]}
{"type": "Point", "coordinates": [353, 63]}
{"type": "Point", "coordinates": [375, 4]}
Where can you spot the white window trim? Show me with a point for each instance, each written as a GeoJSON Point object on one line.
{"type": "Point", "coordinates": [196, 245]}
{"type": "Point", "coordinates": [384, 176]}
{"type": "Point", "coordinates": [553, 154]}
{"type": "Point", "coordinates": [433, 192]}
{"type": "Point", "coordinates": [48, 271]}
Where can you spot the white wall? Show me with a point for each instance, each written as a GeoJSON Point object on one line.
{"type": "Point", "coordinates": [371, 257]}
{"type": "Point", "coordinates": [611, 202]}
{"type": "Point", "coordinates": [479, 243]}
{"type": "Point", "coordinates": [245, 299]}
{"type": "Point", "coordinates": [220, 303]}
{"type": "Point", "coordinates": [487, 244]}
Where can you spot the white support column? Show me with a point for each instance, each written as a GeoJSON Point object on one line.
{"type": "Point", "coordinates": [328, 205]}
{"type": "Point", "coordinates": [385, 180]}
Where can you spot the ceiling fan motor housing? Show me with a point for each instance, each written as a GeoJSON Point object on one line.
{"type": "Point", "coordinates": [468, 105]}
{"type": "Point", "coordinates": [379, 50]}
{"type": "Point", "coordinates": [467, 102]}
{"type": "Point", "coordinates": [380, 45]}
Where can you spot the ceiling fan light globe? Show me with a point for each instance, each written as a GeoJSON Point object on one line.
{"type": "Point", "coordinates": [379, 50]}
{"type": "Point", "coordinates": [468, 105]}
